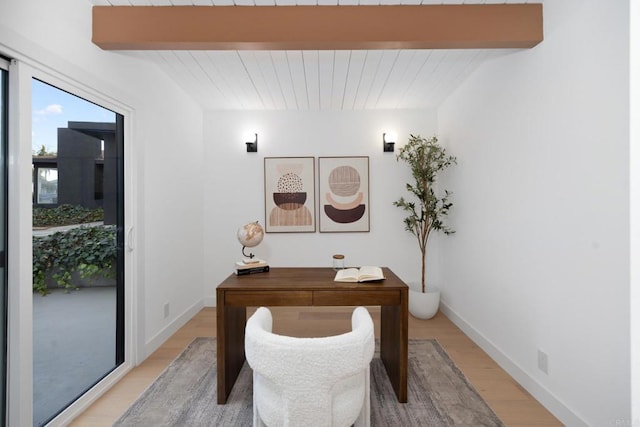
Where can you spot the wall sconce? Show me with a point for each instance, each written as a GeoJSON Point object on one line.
{"type": "Point", "coordinates": [252, 147]}
{"type": "Point", "coordinates": [388, 141]}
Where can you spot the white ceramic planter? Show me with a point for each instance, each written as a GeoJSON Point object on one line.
{"type": "Point", "coordinates": [423, 305]}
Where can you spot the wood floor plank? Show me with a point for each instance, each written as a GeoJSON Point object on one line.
{"type": "Point", "coordinates": [514, 405]}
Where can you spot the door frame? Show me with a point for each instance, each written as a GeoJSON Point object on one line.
{"type": "Point", "coordinates": [20, 296]}
{"type": "Point", "coordinates": [4, 116]}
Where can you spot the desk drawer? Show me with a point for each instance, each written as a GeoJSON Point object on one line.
{"type": "Point", "coordinates": [360, 297]}
{"type": "Point", "coordinates": [267, 298]}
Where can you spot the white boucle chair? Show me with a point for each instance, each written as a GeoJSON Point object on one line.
{"type": "Point", "coordinates": [306, 382]}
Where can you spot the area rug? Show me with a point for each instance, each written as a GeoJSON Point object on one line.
{"type": "Point", "coordinates": [185, 393]}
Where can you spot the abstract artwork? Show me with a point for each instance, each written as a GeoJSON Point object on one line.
{"type": "Point", "coordinates": [344, 194]}
{"type": "Point", "coordinates": [289, 194]}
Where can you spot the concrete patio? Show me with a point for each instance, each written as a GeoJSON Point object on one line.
{"type": "Point", "coordinates": [73, 345]}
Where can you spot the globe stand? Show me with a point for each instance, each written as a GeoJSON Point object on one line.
{"type": "Point", "coordinates": [250, 256]}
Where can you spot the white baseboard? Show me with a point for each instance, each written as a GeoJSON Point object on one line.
{"type": "Point", "coordinates": [544, 396]}
{"type": "Point", "coordinates": [154, 343]}
{"type": "Point", "coordinates": [210, 301]}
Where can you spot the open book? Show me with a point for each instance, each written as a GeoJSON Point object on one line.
{"type": "Point", "coordinates": [362, 274]}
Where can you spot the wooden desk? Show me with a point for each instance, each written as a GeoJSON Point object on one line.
{"type": "Point", "coordinates": [307, 287]}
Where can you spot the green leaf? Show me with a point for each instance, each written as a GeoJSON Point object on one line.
{"type": "Point", "coordinates": [88, 250]}
{"type": "Point", "coordinates": [426, 159]}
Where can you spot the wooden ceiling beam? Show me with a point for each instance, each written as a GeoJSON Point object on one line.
{"type": "Point", "coordinates": [317, 27]}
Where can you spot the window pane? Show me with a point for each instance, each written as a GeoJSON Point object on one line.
{"type": "Point", "coordinates": [77, 248]}
{"type": "Point", "coordinates": [47, 186]}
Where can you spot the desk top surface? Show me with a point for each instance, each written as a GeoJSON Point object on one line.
{"type": "Point", "coordinates": [305, 278]}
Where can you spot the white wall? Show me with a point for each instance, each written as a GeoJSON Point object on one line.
{"type": "Point", "coordinates": [541, 256]}
{"type": "Point", "coordinates": [234, 187]}
{"type": "Point", "coordinates": [164, 158]}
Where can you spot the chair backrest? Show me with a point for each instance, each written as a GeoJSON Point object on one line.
{"type": "Point", "coordinates": [299, 378]}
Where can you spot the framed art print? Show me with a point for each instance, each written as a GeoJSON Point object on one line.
{"type": "Point", "coordinates": [344, 194]}
{"type": "Point", "coordinates": [289, 194]}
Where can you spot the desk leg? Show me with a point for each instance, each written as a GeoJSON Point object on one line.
{"type": "Point", "coordinates": [231, 322]}
{"type": "Point", "coordinates": [394, 344]}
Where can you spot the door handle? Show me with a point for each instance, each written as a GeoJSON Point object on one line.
{"type": "Point", "coordinates": [129, 239]}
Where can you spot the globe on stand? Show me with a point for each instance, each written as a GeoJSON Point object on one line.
{"type": "Point", "coordinates": [249, 236]}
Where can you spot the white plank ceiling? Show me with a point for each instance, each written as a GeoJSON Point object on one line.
{"type": "Point", "coordinates": [315, 80]}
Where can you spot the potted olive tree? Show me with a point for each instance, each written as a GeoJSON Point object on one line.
{"type": "Point", "coordinates": [426, 210]}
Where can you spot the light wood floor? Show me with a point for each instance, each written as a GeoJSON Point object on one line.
{"type": "Point", "coordinates": [514, 405]}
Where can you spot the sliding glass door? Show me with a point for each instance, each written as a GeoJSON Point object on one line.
{"type": "Point", "coordinates": [78, 240]}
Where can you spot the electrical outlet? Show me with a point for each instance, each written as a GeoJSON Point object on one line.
{"type": "Point", "coordinates": [543, 361]}
{"type": "Point", "coordinates": [166, 310]}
